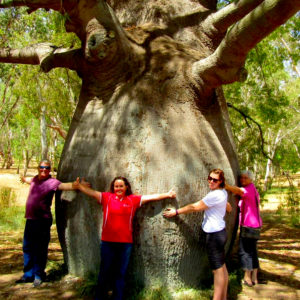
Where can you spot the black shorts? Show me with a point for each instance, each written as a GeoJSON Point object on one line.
{"type": "Point", "coordinates": [215, 246]}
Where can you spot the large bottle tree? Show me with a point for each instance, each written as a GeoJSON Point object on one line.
{"type": "Point", "coordinates": [151, 108]}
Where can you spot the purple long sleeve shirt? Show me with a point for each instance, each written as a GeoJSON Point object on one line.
{"type": "Point", "coordinates": [39, 201]}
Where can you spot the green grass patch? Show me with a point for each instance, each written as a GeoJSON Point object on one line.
{"type": "Point", "coordinates": [88, 286]}
{"type": "Point", "coordinates": [234, 284]}
{"type": "Point", "coordinates": [12, 218]}
{"type": "Point", "coordinates": [278, 190]}
{"type": "Point", "coordinates": [7, 197]}
{"type": "Point", "coordinates": [193, 294]}
{"type": "Point", "coordinates": [56, 270]}
{"type": "Point", "coordinates": [156, 292]}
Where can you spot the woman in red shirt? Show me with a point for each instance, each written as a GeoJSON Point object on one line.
{"type": "Point", "coordinates": [119, 207]}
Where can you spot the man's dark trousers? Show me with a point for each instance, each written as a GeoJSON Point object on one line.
{"type": "Point", "coordinates": [35, 248]}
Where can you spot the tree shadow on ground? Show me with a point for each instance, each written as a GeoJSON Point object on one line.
{"type": "Point", "coordinates": [58, 285]}
{"type": "Point", "coordinates": [279, 252]}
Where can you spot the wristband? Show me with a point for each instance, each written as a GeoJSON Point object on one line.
{"type": "Point", "coordinates": [177, 213]}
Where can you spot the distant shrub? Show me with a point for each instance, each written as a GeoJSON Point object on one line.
{"type": "Point", "coordinates": [11, 216]}
{"type": "Point", "coordinates": [7, 197]}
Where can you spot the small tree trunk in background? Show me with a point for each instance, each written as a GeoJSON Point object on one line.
{"type": "Point", "coordinates": [27, 159]}
{"type": "Point", "coordinates": [270, 161]}
{"type": "Point", "coordinates": [267, 174]}
{"type": "Point", "coordinates": [44, 141]}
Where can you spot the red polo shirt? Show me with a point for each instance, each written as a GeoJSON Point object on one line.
{"type": "Point", "coordinates": [118, 216]}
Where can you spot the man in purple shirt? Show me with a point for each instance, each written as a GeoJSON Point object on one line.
{"type": "Point", "coordinates": [38, 222]}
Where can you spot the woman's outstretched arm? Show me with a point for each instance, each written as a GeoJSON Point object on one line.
{"type": "Point", "coordinates": [86, 189]}
{"type": "Point", "coordinates": [157, 197]}
{"type": "Point", "coordinates": [194, 207]}
{"type": "Point", "coordinates": [234, 189]}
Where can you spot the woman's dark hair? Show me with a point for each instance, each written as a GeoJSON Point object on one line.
{"type": "Point", "coordinates": [221, 176]}
{"type": "Point", "coordinates": [128, 190]}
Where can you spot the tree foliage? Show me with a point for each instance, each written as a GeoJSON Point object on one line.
{"type": "Point", "coordinates": [270, 96]}
{"type": "Point", "coordinates": [25, 90]}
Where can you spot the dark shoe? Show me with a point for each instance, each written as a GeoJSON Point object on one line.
{"type": "Point", "coordinates": [37, 282]}
{"type": "Point", "coordinates": [24, 280]}
{"type": "Point", "coordinates": [247, 284]}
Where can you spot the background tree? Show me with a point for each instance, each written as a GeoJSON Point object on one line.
{"type": "Point", "coordinates": [150, 108]}
{"type": "Point", "coordinates": [25, 90]}
{"type": "Point", "coordinates": [270, 97]}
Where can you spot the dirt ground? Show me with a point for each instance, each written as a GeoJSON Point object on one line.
{"type": "Point", "coordinates": [279, 253]}
{"type": "Point", "coordinates": [279, 257]}
{"type": "Point", "coordinates": [11, 265]}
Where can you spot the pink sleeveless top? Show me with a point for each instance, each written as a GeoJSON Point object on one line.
{"type": "Point", "coordinates": [249, 214]}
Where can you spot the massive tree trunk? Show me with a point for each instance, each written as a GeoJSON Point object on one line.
{"type": "Point", "coordinates": [157, 140]}
{"type": "Point", "coordinates": [151, 109]}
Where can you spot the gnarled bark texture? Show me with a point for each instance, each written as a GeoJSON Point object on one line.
{"type": "Point", "coordinates": [151, 109]}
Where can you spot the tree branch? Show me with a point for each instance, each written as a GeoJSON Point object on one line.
{"type": "Point", "coordinates": [221, 20]}
{"type": "Point", "coordinates": [44, 54]}
{"type": "Point", "coordinates": [60, 130]}
{"type": "Point", "coordinates": [10, 112]}
{"type": "Point", "coordinates": [245, 116]}
{"type": "Point", "coordinates": [225, 65]}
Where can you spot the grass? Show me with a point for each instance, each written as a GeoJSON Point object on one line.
{"type": "Point", "coordinates": [158, 291]}
{"type": "Point", "coordinates": [278, 190]}
{"type": "Point", "coordinates": [56, 270]}
{"type": "Point", "coordinates": [288, 210]}
{"type": "Point", "coordinates": [88, 285]}
{"type": "Point", "coordinates": [11, 216]}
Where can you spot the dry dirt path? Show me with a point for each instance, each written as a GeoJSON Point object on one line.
{"type": "Point", "coordinates": [11, 264]}
{"type": "Point", "coordinates": [279, 256]}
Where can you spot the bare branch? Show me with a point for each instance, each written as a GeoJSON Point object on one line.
{"type": "Point", "coordinates": [10, 112]}
{"type": "Point", "coordinates": [44, 54]}
{"type": "Point", "coordinates": [225, 65]}
{"type": "Point", "coordinates": [245, 116]}
{"type": "Point", "coordinates": [221, 20]}
{"type": "Point", "coordinates": [62, 58]}
{"type": "Point", "coordinates": [6, 88]}
{"type": "Point", "coordinates": [290, 54]}
{"type": "Point", "coordinates": [32, 55]}
{"type": "Point", "coordinates": [295, 108]}
{"type": "Point", "coordinates": [60, 130]}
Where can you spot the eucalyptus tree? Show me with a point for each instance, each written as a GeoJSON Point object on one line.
{"type": "Point", "coordinates": [49, 98]}
{"type": "Point", "coordinates": [269, 97]}
{"type": "Point", "coordinates": [150, 108]}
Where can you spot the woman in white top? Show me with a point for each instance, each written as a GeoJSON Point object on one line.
{"type": "Point", "coordinates": [214, 205]}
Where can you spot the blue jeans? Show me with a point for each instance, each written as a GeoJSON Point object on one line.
{"type": "Point", "coordinates": [114, 262]}
{"type": "Point", "coordinates": [248, 253]}
{"type": "Point", "coordinates": [35, 247]}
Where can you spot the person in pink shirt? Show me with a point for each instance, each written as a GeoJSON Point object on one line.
{"type": "Point", "coordinates": [249, 217]}
{"type": "Point", "coordinates": [119, 207]}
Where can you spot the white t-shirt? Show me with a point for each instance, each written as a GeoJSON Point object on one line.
{"type": "Point", "coordinates": [216, 201]}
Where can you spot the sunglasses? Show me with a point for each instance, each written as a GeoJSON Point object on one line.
{"type": "Point", "coordinates": [212, 179]}
{"type": "Point", "coordinates": [44, 167]}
